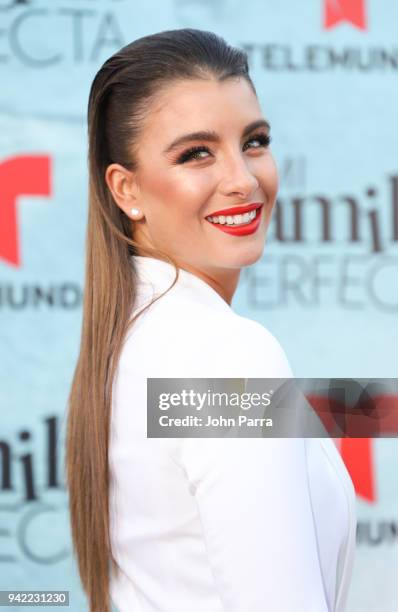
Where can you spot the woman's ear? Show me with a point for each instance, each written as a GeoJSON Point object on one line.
{"type": "Point", "coordinates": [123, 187]}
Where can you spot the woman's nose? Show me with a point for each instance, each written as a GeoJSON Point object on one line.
{"type": "Point", "coordinates": [237, 177]}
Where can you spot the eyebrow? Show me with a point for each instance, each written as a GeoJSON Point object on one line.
{"type": "Point", "coordinates": [211, 136]}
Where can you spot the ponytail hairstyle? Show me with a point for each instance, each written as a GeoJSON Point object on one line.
{"type": "Point", "coordinates": [120, 96]}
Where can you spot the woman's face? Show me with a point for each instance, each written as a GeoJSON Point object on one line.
{"type": "Point", "coordinates": [176, 190]}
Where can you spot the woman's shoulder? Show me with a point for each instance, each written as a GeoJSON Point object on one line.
{"type": "Point", "coordinates": [237, 332]}
{"type": "Point", "coordinates": [257, 346]}
{"type": "Point", "coordinates": [197, 337]}
{"type": "Point", "coordinates": [180, 315]}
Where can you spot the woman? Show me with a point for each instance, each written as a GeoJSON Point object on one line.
{"type": "Point", "coordinates": [182, 187]}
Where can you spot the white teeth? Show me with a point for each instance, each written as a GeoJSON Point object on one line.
{"type": "Point", "coordinates": [234, 219]}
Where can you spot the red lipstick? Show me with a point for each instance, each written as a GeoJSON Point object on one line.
{"type": "Point", "coordinates": [239, 230]}
{"type": "Point", "coordinates": [237, 210]}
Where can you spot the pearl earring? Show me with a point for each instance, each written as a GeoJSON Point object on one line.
{"type": "Point", "coordinates": [135, 211]}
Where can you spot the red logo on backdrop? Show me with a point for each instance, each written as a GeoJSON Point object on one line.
{"type": "Point", "coordinates": [22, 175]}
{"type": "Point", "coordinates": [336, 11]}
{"type": "Point", "coordinates": [375, 415]}
{"type": "Point", "coordinates": [357, 454]}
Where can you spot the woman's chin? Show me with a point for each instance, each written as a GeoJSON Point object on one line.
{"type": "Point", "coordinates": [252, 258]}
{"type": "Point", "coordinates": [241, 257]}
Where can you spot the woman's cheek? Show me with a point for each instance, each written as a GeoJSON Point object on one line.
{"type": "Point", "coordinates": [194, 183]}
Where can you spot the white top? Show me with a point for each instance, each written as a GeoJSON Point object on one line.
{"type": "Point", "coordinates": [218, 524]}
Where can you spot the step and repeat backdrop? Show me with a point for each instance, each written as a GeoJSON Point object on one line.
{"type": "Point", "coordinates": [326, 72]}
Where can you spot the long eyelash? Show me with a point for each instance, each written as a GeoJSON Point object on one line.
{"type": "Point", "coordinates": [264, 140]}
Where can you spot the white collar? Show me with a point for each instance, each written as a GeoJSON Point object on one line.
{"type": "Point", "coordinates": [160, 275]}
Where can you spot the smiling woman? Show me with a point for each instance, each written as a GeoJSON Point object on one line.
{"type": "Point", "coordinates": [182, 185]}
{"type": "Point", "coordinates": [176, 187]}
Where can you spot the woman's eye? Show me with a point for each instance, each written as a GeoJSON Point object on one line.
{"type": "Point", "coordinates": [193, 153]}
{"type": "Point", "coordinates": [263, 139]}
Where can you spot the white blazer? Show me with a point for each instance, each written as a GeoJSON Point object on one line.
{"type": "Point", "coordinates": [218, 524]}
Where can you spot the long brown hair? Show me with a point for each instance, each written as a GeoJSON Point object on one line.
{"type": "Point", "coordinates": [119, 98]}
